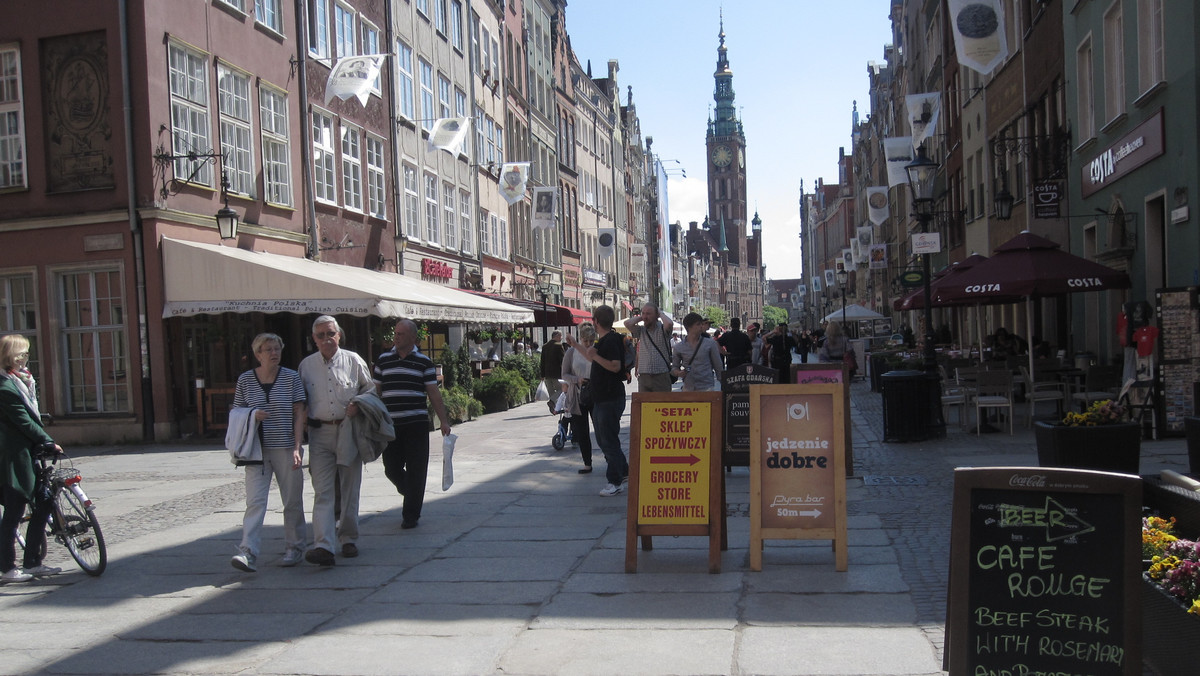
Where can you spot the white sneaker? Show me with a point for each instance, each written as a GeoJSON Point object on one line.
{"type": "Point", "coordinates": [16, 575]}
{"type": "Point", "coordinates": [612, 490]}
{"type": "Point", "coordinates": [43, 571]}
{"type": "Point", "coordinates": [244, 561]}
{"type": "Point", "coordinates": [292, 557]}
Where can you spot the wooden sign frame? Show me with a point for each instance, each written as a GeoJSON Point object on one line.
{"type": "Point", "coordinates": [823, 399]}
{"type": "Point", "coordinates": [668, 408]}
{"type": "Point", "coordinates": [1006, 591]}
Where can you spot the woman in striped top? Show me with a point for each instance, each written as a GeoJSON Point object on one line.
{"type": "Point", "coordinates": [278, 396]}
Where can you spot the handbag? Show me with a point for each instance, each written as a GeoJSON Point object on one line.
{"type": "Point", "coordinates": [586, 397]}
{"type": "Point", "coordinates": [849, 360]}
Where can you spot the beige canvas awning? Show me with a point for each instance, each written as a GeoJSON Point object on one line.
{"type": "Point", "coordinates": [209, 279]}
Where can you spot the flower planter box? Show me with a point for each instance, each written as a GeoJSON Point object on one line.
{"type": "Point", "coordinates": [494, 403]}
{"type": "Point", "coordinates": [1191, 427]}
{"type": "Point", "coordinates": [1109, 448]}
{"type": "Point", "coordinates": [1170, 636]}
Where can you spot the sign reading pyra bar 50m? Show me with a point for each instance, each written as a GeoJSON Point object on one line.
{"type": "Point", "coordinates": [674, 470]}
{"type": "Point", "coordinates": [797, 467]}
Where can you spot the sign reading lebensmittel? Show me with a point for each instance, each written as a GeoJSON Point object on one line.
{"type": "Point", "coordinates": [797, 467]}
{"type": "Point", "coordinates": [674, 471]}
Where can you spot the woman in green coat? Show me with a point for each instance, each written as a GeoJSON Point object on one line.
{"type": "Point", "coordinates": [21, 435]}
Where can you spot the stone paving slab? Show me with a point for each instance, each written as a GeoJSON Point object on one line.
{"type": "Point", "coordinates": [630, 652]}
{"type": "Point", "coordinates": [656, 610]}
{"type": "Point", "coordinates": [836, 651]}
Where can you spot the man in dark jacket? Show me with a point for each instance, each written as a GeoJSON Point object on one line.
{"type": "Point", "coordinates": [552, 357]}
{"type": "Point", "coordinates": [735, 345]}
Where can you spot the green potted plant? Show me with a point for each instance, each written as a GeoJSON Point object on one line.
{"type": "Point", "coordinates": [500, 390]}
{"type": "Point", "coordinates": [1170, 599]}
{"type": "Point", "coordinates": [1100, 438]}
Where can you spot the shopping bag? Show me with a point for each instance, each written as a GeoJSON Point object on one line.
{"type": "Point", "coordinates": [448, 460]}
{"type": "Point", "coordinates": [560, 406]}
{"type": "Point", "coordinates": [542, 394]}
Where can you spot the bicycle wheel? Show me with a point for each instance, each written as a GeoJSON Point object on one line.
{"type": "Point", "coordinates": [557, 441]}
{"type": "Point", "coordinates": [79, 531]}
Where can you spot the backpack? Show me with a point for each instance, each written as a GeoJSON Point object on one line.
{"type": "Point", "coordinates": [629, 357]}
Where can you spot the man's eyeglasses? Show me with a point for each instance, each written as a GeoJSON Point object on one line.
{"type": "Point", "coordinates": [322, 335]}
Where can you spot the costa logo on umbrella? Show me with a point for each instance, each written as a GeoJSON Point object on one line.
{"type": "Point", "coordinates": [982, 288]}
{"type": "Point", "coordinates": [1085, 283]}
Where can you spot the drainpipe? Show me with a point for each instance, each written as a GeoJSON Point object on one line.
{"type": "Point", "coordinates": [135, 228]}
{"type": "Point", "coordinates": [310, 208]}
{"type": "Point", "coordinates": [393, 133]}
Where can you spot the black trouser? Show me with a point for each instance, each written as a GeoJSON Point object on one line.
{"type": "Point", "coordinates": [406, 465]}
{"type": "Point", "coordinates": [35, 534]}
{"type": "Point", "coordinates": [582, 435]}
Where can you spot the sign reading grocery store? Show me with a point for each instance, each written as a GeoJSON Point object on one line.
{"type": "Point", "coordinates": [674, 471]}
{"type": "Point", "coordinates": [797, 467]}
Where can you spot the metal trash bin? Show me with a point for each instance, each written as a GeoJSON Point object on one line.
{"type": "Point", "coordinates": [907, 401]}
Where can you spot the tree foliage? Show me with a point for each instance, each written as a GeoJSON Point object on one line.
{"type": "Point", "coordinates": [773, 315]}
{"type": "Point", "coordinates": [717, 316]}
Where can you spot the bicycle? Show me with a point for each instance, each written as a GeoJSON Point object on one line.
{"type": "Point", "coordinates": [72, 521]}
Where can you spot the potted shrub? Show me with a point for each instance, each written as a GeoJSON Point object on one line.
{"type": "Point", "coordinates": [1099, 438]}
{"type": "Point", "coordinates": [500, 390]}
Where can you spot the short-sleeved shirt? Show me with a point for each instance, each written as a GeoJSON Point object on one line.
{"type": "Point", "coordinates": [606, 385]}
{"type": "Point", "coordinates": [650, 360]}
{"type": "Point", "coordinates": [402, 383]}
{"type": "Point", "coordinates": [737, 347]}
{"type": "Point", "coordinates": [332, 385]}
{"type": "Point", "coordinates": [703, 364]}
{"type": "Point", "coordinates": [277, 399]}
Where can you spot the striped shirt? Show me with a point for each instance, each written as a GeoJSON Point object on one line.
{"type": "Point", "coordinates": [277, 430]}
{"type": "Point", "coordinates": [402, 384]}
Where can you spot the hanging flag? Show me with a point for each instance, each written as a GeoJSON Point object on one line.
{"type": "Point", "coordinates": [543, 208]}
{"type": "Point", "coordinates": [830, 279]}
{"type": "Point", "coordinates": [816, 284]}
{"type": "Point", "coordinates": [898, 152]}
{"type": "Point", "coordinates": [978, 33]}
{"type": "Point", "coordinates": [448, 134]}
{"type": "Point", "coordinates": [856, 252]}
{"type": "Point", "coordinates": [923, 112]}
{"type": "Point", "coordinates": [353, 76]}
{"type": "Point", "coordinates": [877, 255]}
{"type": "Point", "coordinates": [514, 176]}
{"type": "Point", "coordinates": [864, 238]}
{"type": "Point", "coordinates": [877, 204]}
{"type": "Point", "coordinates": [607, 241]}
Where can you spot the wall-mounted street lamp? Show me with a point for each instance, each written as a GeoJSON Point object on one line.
{"type": "Point", "coordinates": [922, 172]}
{"type": "Point", "coordinates": [227, 219]}
{"type": "Point", "coordinates": [543, 289]}
{"type": "Point", "coordinates": [843, 276]}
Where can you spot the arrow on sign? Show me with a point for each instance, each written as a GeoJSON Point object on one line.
{"type": "Point", "coordinates": [1060, 523]}
{"type": "Point", "coordinates": [814, 513]}
{"type": "Point", "coordinates": [674, 460]}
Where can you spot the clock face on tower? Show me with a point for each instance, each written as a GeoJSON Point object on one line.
{"type": "Point", "coordinates": [722, 156]}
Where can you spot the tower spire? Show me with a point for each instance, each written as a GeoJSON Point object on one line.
{"type": "Point", "coordinates": [725, 121]}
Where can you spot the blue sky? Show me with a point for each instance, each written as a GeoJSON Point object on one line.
{"type": "Point", "coordinates": [797, 67]}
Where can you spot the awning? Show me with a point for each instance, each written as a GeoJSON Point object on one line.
{"type": "Point", "coordinates": [209, 279]}
{"type": "Point", "coordinates": [553, 315]}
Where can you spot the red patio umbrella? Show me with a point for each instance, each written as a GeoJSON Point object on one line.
{"type": "Point", "coordinates": [1029, 266]}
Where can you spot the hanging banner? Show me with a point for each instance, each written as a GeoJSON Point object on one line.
{"type": "Point", "coordinates": [830, 279]}
{"type": "Point", "coordinates": [514, 177]}
{"type": "Point", "coordinates": [978, 34]}
{"type": "Point", "coordinates": [877, 204]}
{"type": "Point", "coordinates": [448, 134]}
{"type": "Point", "coordinates": [856, 252]}
{"type": "Point", "coordinates": [608, 242]}
{"type": "Point", "coordinates": [865, 237]}
{"type": "Point", "coordinates": [543, 208]}
{"type": "Point", "coordinates": [848, 260]}
{"type": "Point", "coordinates": [353, 76]}
{"type": "Point", "coordinates": [923, 111]}
{"type": "Point", "coordinates": [877, 255]}
{"type": "Point", "coordinates": [898, 152]}
{"type": "Point", "coordinates": [816, 284]}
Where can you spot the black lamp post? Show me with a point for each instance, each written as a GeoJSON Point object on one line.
{"type": "Point", "coordinates": [543, 287]}
{"type": "Point", "coordinates": [1004, 203]}
{"type": "Point", "coordinates": [842, 278]}
{"type": "Point", "coordinates": [921, 174]}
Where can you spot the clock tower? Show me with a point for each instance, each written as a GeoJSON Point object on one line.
{"type": "Point", "coordinates": [726, 143]}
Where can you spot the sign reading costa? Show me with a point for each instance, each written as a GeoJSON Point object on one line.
{"type": "Point", "coordinates": [431, 267]}
{"type": "Point", "coordinates": [983, 288]}
{"type": "Point", "coordinates": [1144, 143]}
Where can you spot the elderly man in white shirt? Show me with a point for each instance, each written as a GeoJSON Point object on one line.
{"type": "Point", "coordinates": [332, 378]}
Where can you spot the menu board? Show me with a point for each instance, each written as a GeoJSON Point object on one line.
{"type": "Point", "coordinates": [735, 386]}
{"type": "Point", "coordinates": [1045, 572]}
{"type": "Point", "coordinates": [1179, 355]}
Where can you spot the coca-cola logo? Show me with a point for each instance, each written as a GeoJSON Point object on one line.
{"type": "Point", "coordinates": [1030, 481]}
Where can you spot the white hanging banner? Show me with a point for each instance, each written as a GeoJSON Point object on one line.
{"type": "Point", "coordinates": [608, 242]}
{"type": "Point", "coordinates": [923, 112]}
{"type": "Point", "coordinates": [898, 152]}
{"type": "Point", "coordinates": [978, 33]}
{"type": "Point", "coordinates": [877, 255]}
{"type": "Point", "coordinates": [448, 133]}
{"type": "Point", "coordinates": [816, 284]}
{"type": "Point", "coordinates": [514, 177]}
{"type": "Point", "coordinates": [543, 208]}
{"type": "Point", "coordinates": [848, 260]}
{"type": "Point", "coordinates": [877, 204]}
{"type": "Point", "coordinates": [353, 76]}
{"type": "Point", "coordinates": [865, 237]}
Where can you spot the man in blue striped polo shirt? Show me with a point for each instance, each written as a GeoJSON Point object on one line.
{"type": "Point", "coordinates": [403, 378]}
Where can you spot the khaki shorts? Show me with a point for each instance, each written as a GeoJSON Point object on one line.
{"type": "Point", "coordinates": [654, 382]}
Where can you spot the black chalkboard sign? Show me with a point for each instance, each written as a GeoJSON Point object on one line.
{"type": "Point", "coordinates": [1045, 573]}
{"type": "Point", "coordinates": [735, 385]}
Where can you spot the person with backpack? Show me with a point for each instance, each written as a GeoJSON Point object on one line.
{"type": "Point", "coordinates": [652, 330]}
{"type": "Point", "coordinates": [697, 357]}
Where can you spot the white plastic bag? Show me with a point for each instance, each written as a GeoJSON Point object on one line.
{"type": "Point", "coordinates": [448, 461]}
{"type": "Point", "coordinates": [560, 406]}
{"type": "Point", "coordinates": [543, 394]}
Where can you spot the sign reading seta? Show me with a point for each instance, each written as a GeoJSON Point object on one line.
{"type": "Point", "coordinates": [673, 478]}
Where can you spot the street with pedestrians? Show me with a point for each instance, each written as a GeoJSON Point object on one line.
{"type": "Point", "coordinates": [517, 568]}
